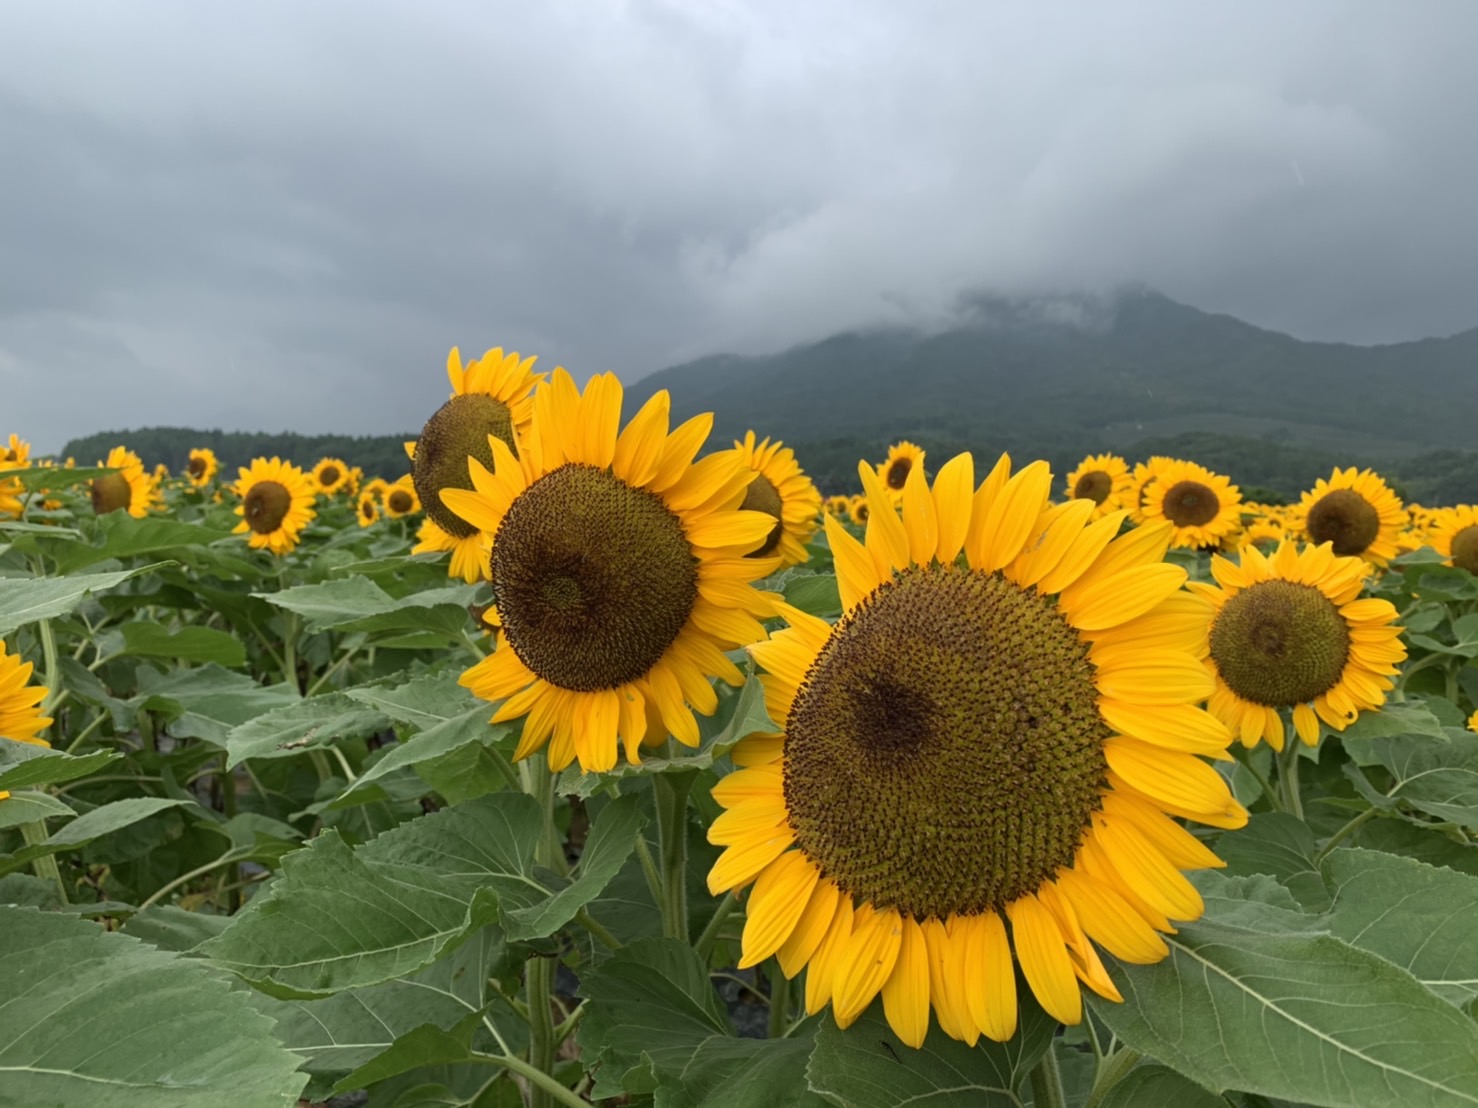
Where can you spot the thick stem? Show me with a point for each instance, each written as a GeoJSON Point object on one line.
{"type": "Point", "coordinates": [539, 978]}
{"type": "Point", "coordinates": [1047, 1089]}
{"type": "Point", "coordinates": [1111, 1070]}
{"type": "Point", "coordinates": [1344, 833]}
{"type": "Point", "coordinates": [45, 866]}
{"type": "Point", "coordinates": [725, 908]}
{"type": "Point", "coordinates": [228, 808]}
{"type": "Point", "coordinates": [671, 793]}
{"type": "Point", "coordinates": [1288, 779]}
{"type": "Point", "coordinates": [53, 674]}
{"type": "Point", "coordinates": [779, 1000]}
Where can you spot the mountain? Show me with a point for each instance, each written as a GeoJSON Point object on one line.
{"type": "Point", "coordinates": [1061, 379]}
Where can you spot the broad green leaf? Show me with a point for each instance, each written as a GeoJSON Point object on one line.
{"type": "Point", "coordinates": [1435, 776]}
{"type": "Point", "coordinates": [56, 477]}
{"type": "Point", "coordinates": [1423, 919]}
{"type": "Point", "coordinates": [747, 1073]}
{"type": "Point", "coordinates": [122, 536]}
{"type": "Point", "coordinates": [108, 818]}
{"type": "Point", "coordinates": [1296, 1016]}
{"type": "Point", "coordinates": [358, 604]}
{"type": "Point", "coordinates": [1281, 845]}
{"type": "Point", "coordinates": [26, 599]}
{"type": "Point", "coordinates": [1398, 720]}
{"type": "Point", "coordinates": [442, 738]}
{"type": "Point", "coordinates": [427, 1045]}
{"type": "Point", "coordinates": [1435, 846]}
{"type": "Point", "coordinates": [868, 1064]}
{"type": "Point", "coordinates": [24, 764]}
{"type": "Point", "coordinates": [102, 1019]}
{"type": "Point", "coordinates": [293, 728]}
{"type": "Point", "coordinates": [648, 1007]}
{"type": "Point", "coordinates": [170, 927]}
{"type": "Point", "coordinates": [815, 593]}
{"type": "Point", "coordinates": [1155, 1084]}
{"type": "Point", "coordinates": [423, 702]}
{"type": "Point", "coordinates": [190, 644]}
{"type": "Point", "coordinates": [208, 701]}
{"type": "Point", "coordinates": [28, 807]}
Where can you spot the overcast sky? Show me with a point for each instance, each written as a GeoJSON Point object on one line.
{"type": "Point", "coordinates": [280, 215]}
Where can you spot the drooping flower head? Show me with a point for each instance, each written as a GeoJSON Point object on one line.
{"type": "Point", "coordinates": [1353, 510]}
{"type": "Point", "coordinates": [1103, 479]}
{"type": "Point", "coordinates": [620, 573]}
{"type": "Point", "coordinates": [981, 756]}
{"type": "Point", "coordinates": [1204, 507]}
{"type": "Point", "coordinates": [330, 475]}
{"type": "Point", "coordinates": [20, 703]}
{"type": "Point", "coordinates": [130, 489]}
{"type": "Point", "coordinates": [202, 467]}
{"type": "Point", "coordinates": [782, 491]}
{"type": "Point", "coordinates": [276, 504]}
{"type": "Point", "coordinates": [1290, 632]}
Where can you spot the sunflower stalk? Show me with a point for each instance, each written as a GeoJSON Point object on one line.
{"type": "Point", "coordinates": [539, 983]}
{"type": "Point", "coordinates": [34, 834]}
{"type": "Point", "coordinates": [1288, 779]}
{"type": "Point", "coordinates": [1046, 1079]}
{"type": "Point", "coordinates": [670, 791]}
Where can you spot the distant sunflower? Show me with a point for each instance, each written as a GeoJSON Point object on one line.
{"type": "Point", "coordinates": [202, 467]}
{"type": "Point", "coordinates": [1290, 631]}
{"type": "Point", "coordinates": [838, 505]}
{"type": "Point", "coordinates": [130, 489]}
{"type": "Point", "coordinates": [1356, 511]}
{"type": "Point", "coordinates": [1263, 529]}
{"type": "Point", "coordinates": [781, 490]}
{"type": "Point", "coordinates": [20, 704]}
{"type": "Point", "coordinates": [893, 471]}
{"type": "Point", "coordinates": [276, 504]}
{"type": "Point", "coordinates": [14, 455]}
{"type": "Point", "coordinates": [490, 396]}
{"type": "Point", "coordinates": [399, 499]}
{"type": "Point", "coordinates": [1101, 478]}
{"type": "Point", "coordinates": [619, 571]}
{"type": "Point", "coordinates": [368, 508]}
{"type": "Point", "coordinates": [982, 754]}
{"type": "Point", "coordinates": [1140, 480]}
{"type": "Point", "coordinates": [330, 475]}
{"type": "Point", "coordinates": [857, 510]}
{"type": "Point", "coordinates": [1203, 506]}
{"type": "Point", "coordinates": [1454, 535]}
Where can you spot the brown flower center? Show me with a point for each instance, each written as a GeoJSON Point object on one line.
{"type": "Point", "coordinates": [458, 431]}
{"type": "Point", "coordinates": [1278, 643]}
{"type": "Point", "coordinates": [1191, 504]}
{"type": "Point", "coordinates": [1346, 519]}
{"type": "Point", "coordinates": [1465, 548]}
{"type": "Point", "coordinates": [762, 496]}
{"type": "Point", "coordinates": [110, 493]}
{"type": "Point", "coordinates": [1095, 485]}
{"type": "Point", "coordinates": [266, 506]}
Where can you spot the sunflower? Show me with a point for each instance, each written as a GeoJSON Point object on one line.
{"type": "Point", "coordinates": [14, 455]}
{"type": "Point", "coordinates": [893, 471]}
{"type": "Point", "coordinates": [400, 500]}
{"type": "Point", "coordinates": [983, 753]}
{"type": "Point", "coordinates": [130, 488]}
{"type": "Point", "coordinates": [368, 508]}
{"type": "Point", "coordinates": [276, 504]}
{"type": "Point", "coordinates": [782, 491]}
{"type": "Point", "coordinates": [330, 475]}
{"type": "Point", "coordinates": [1203, 506]}
{"type": "Point", "coordinates": [1139, 482]}
{"type": "Point", "coordinates": [490, 396]}
{"type": "Point", "coordinates": [1101, 478]}
{"type": "Point", "coordinates": [620, 573]}
{"type": "Point", "coordinates": [838, 505]}
{"type": "Point", "coordinates": [1356, 511]}
{"type": "Point", "coordinates": [1455, 536]}
{"type": "Point", "coordinates": [469, 560]}
{"type": "Point", "coordinates": [1290, 631]}
{"type": "Point", "coordinates": [857, 510]}
{"type": "Point", "coordinates": [20, 704]}
{"type": "Point", "coordinates": [202, 467]}
{"type": "Point", "coordinates": [1263, 527]}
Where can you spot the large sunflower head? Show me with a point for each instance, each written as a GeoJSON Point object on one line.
{"type": "Point", "coordinates": [1353, 510]}
{"type": "Point", "coordinates": [620, 571]}
{"type": "Point", "coordinates": [1204, 507]}
{"type": "Point", "coordinates": [129, 489]}
{"type": "Point", "coordinates": [330, 475]}
{"type": "Point", "coordinates": [1290, 632]}
{"type": "Point", "coordinates": [202, 467]}
{"type": "Point", "coordinates": [903, 458]}
{"type": "Point", "coordinates": [20, 704]}
{"type": "Point", "coordinates": [1103, 479]}
{"type": "Point", "coordinates": [782, 491]}
{"type": "Point", "coordinates": [1454, 535]}
{"type": "Point", "coordinates": [983, 754]}
{"type": "Point", "coordinates": [276, 504]}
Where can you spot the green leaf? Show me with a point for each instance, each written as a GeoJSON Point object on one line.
{"type": "Point", "coordinates": [1435, 776]}
{"type": "Point", "coordinates": [423, 702]}
{"type": "Point", "coordinates": [23, 765]}
{"type": "Point", "coordinates": [358, 604]}
{"type": "Point", "coordinates": [470, 727]}
{"type": "Point", "coordinates": [815, 593]}
{"type": "Point", "coordinates": [1282, 846]}
{"type": "Point", "coordinates": [171, 928]}
{"type": "Point", "coordinates": [98, 1018]}
{"type": "Point", "coordinates": [1393, 721]}
{"type": "Point", "coordinates": [189, 644]}
{"type": "Point", "coordinates": [1435, 846]}
{"type": "Point", "coordinates": [747, 1073]}
{"type": "Point", "coordinates": [28, 807]}
{"type": "Point", "coordinates": [108, 818]}
{"type": "Point", "coordinates": [207, 702]}
{"type": "Point", "coordinates": [1293, 1015]}
{"type": "Point", "coordinates": [427, 1045]}
{"type": "Point", "coordinates": [26, 599]}
{"type": "Point", "coordinates": [293, 728]}
{"type": "Point", "coordinates": [1417, 916]}
{"type": "Point", "coordinates": [648, 1008]}
{"type": "Point", "coordinates": [125, 537]}
{"type": "Point", "coordinates": [1155, 1084]}
{"type": "Point", "coordinates": [868, 1064]}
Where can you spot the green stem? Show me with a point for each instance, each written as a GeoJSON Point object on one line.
{"type": "Point", "coordinates": [541, 1081]}
{"type": "Point", "coordinates": [538, 781]}
{"type": "Point", "coordinates": [671, 793]}
{"type": "Point", "coordinates": [320, 763]}
{"type": "Point", "coordinates": [185, 878]}
{"type": "Point", "coordinates": [597, 930]}
{"type": "Point", "coordinates": [48, 654]}
{"type": "Point", "coordinates": [1047, 1081]}
{"type": "Point", "coordinates": [1111, 1070]}
{"type": "Point", "coordinates": [328, 673]}
{"type": "Point", "coordinates": [86, 731]}
{"type": "Point", "coordinates": [1344, 833]}
{"type": "Point", "coordinates": [567, 1028]}
{"type": "Point", "coordinates": [45, 866]}
{"type": "Point", "coordinates": [290, 650]}
{"type": "Point", "coordinates": [649, 869]}
{"type": "Point", "coordinates": [539, 976]}
{"type": "Point", "coordinates": [779, 1000]}
{"type": "Point", "coordinates": [725, 908]}
{"type": "Point", "coordinates": [1288, 779]}
{"type": "Point", "coordinates": [228, 808]}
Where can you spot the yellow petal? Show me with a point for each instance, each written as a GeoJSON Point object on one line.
{"type": "Point", "coordinates": [906, 993]}
{"type": "Point", "coordinates": [1044, 961]}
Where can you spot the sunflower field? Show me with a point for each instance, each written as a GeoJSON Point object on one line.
{"type": "Point", "coordinates": [594, 761]}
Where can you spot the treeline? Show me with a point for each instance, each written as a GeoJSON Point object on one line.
{"type": "Point", "coordinates": [378, 455]}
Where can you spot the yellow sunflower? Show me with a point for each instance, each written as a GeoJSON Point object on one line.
{"type": "Point", "coordinates": [368, 508]}
{"type": "Point", "coordinates": [490, 396]}
{"type": "Point", "coordinates": [838, 505]}
{"type": "Point", "coordinates": [400, 500]}
{"type": "Point", "coordinates": [620, 573]}
{"type": "Point", "coordinates": [1139, 482]}
{"type": "Point", "coordinates": [1454, 535]}
{"type": "Point", "coordinates": [1203, 506]}
{"type": "Point", "coordinates": [857, 510]}
{"type": "Point", "coordinates": [1103, 479]}
{"type": "Point", "coordinates": [330, 475]}
{"type": "Point", "coordinates": [982, 754]}
{"type": "Point", "coordinates": [782, 491]}
{"type": "Point", "coordinates": [469, 560]}
{"type": "Point", "coordinates": [14, 455]}
{"type": "Point", "coordinates": [1356, 511]}
{"type": "Point", "coordinates": [903, 458]}
{"type": "Point", "coordinates": [1263, 527]}
{"type": "Point", "coordinates": [1290, 631]}
{"type": "Point", "coordinates": [130, 489]}
{"type": "Point", "coordinates": [276, 504]}
{"type": "Point", "coordinates": [202, 467]}
{"type": "Point", "coordinates": [20, 704]}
